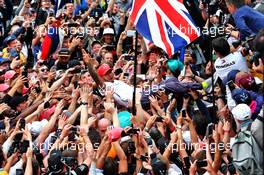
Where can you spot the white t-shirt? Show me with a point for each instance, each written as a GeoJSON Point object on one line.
{"type": "Point", "coordinates": [233, 61]}
{"type": "Point", "coordinates": [121, 90]}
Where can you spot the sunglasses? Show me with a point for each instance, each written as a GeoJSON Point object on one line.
{"type": "Point", "coordinates": [43, 70]}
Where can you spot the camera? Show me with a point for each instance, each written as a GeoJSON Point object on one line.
{"type": "Point", "coordinates": [255, 58]}
{"type": "Point", "coordinates": [247, 45]}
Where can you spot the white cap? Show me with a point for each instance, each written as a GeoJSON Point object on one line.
{"type": "Point", "coordinates": [36, 127]}
{"type": "Point", "coordinates": [108, 31]}
{"type": "Point", "coordinates": [242, 112]}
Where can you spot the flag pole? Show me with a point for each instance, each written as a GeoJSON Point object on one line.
{"type": "Point", "coordinates": [38, 7]}
{"type": "Point", "coordinates": [211, 59]}
{"type": "Point", "coordinates": [134, 110]}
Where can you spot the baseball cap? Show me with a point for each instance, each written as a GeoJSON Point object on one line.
{"type": "Point", "coordinates": [3, 87]}
{"type": "Point", "coordinates": [115, 134]}
{"type": "Point", "coordinates": [242, 112]}
{"type": "Point", "coordinates": [245, 80]}
{"type": "Point", "coordinates": [10, 74]}
{"type": "Point", "coordinates": [174, 65]}
{"type": "Point", "coordinates": [230, 76]}
{"type": "Point", "coordinates": [103, 69]}
{"type": "Point", "coordinates": [64, 52]}
{"type": "Point", "coordinates": [108, 31]}
{"type": "Point", "coordinates": [96, 42]}
{"type": "Point", "coordinates": [158, 167]}
{"type": "Point", "coordinates": [9, 39]}
{"type": "Point", "coordinates": [124, 119]}
{"type": "Point", "coordinates": [36, 127]}
{"type": "Point", "coordinates": [55, 164]}
{"type": "Point", "coordinates": [241, 96]}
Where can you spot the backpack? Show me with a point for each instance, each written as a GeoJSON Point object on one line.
{"type": "Point", "coordinates": [246, 153]}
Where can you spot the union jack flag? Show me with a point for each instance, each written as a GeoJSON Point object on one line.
{"type": "Point", "coordinates": [166, 23]}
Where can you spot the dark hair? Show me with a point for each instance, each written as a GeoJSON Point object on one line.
{"type": "Point", "coordinates": [236, 3]}
{"type": "Point", "coordinates": [200, 123]}
{"type": "Point", "coordinates": [94, 136]}
{"type": "Point", "coordinates": [110, 166]}
{"type": "Point", "coordinates": [221, 46]}
{"type": "Point", "coordinates": [1, 157]}
{"type": "Point", "coordinates": [258, 42]}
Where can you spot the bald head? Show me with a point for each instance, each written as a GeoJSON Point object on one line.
{"type": "Point", "coordinates": [103, 124]}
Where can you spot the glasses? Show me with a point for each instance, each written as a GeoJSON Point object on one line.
{"type": "Point", "coordinates": [43, 70]}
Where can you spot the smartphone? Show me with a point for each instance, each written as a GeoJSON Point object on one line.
{"type": "Point", "coordinates": [75, 129]}
{"type": "Point", "coordinates": [159, 119]}
{"type": "Point", "coordinates": [209, 130]}
{"type": "Point", "coordinates": [128, 57]}
{"type": "Point", "coordinates": [133, 131]}
{"type": "Point", "coordinates": [126, 74]}
{"type": "Point", "coordinates": [46, 104]}
{"type": "Point", "coordinates": [144, 158]}
{"type": "Point", "coordinates": [149, 141]}
{"type": "Point", "coordinates": [187, 163]}
{"type": "Point", "coordinates": [51, 14]}
{"type": "Point", "coordinates": [118, 71]}
{"type": "Point", "coordinates": [131, 33]}
{"type": "Point", "coordinates": [231, 85]}
{"type": "Point", "coordinates": [201, 163]}
{"type": "Point", "coordinates": [75, 84]}
{"type": "Point", "coordinates": [184, 113]}
{"type": "Point", "coordinates": [71, 136]}
{"type": "Point", "coordinates": [19, 172]}
{"type": "Point", "coordinates": [22, 124]}
{"type": "Point", "coordinates": [24, 146]}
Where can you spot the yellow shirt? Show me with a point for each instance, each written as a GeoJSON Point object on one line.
{"type": "Point", "coordinates": [23, 59]}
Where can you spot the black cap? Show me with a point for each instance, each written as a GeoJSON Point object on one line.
{"type": "Point", "coordinates": [64, 52]}
{"type": "Point", "coordinates": [55, 164]}
{"type": "Point", "coordinates": [96, 42]}
{"type": "Point", "coordinates": [69, 1]}
{"type": "Point", "coordinates": [158, 167]}
{"type": "Point", "coordinates": [15, 101]}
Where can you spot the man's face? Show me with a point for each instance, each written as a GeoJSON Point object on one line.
{"type": "Point", "coordinates": [96, 48]}
{"type": "Point", "coordinates": [43, 72]}
{"type": "Point", "coordinates": [115, 9]}
{"type": "Point", "coordinates": [70, 8]}
{"type": "Point", "coordinates": [109, 76]}
{"type": "Point", "coordinates": [231, 8]}
{"type": "Point", "coordinates": [108, 57]}
{"type": "Point", "coordinates": [22, 106]}
{"type": "Point", "coordinates": [46, 4]}
{"type": "Point", "coordinates": [64, 59]}
{"type": "Point", "coordinates": [108, 38]}
{"type": "Point", "coordinates": [12, 44]}
{"type": "Point", "coordinates": [18, 46]}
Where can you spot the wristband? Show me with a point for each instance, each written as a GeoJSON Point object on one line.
{"type": "Point", "coordinates": [226, 131]}
{"type": "Point", "coordinates": [84, 103]}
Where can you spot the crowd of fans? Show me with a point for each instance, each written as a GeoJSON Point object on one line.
{"type": "Point", "coordinates": [67, 83]}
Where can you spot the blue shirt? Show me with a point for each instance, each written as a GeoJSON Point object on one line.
{"type": "Point", "coordinates": [248, 21]}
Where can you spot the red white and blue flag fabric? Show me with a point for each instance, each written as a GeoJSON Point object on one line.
{"type": "Point", "coordinates": [166, 23]}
